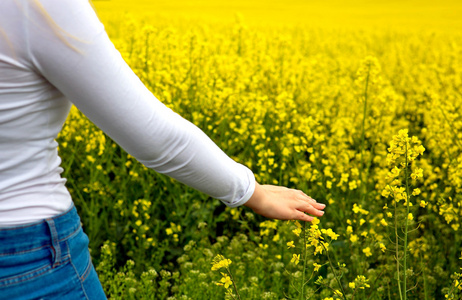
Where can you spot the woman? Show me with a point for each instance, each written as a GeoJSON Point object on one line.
{"type": "Point", "coordinates": [55, 53]}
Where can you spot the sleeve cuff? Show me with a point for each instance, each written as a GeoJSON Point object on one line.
{"type": "Point", "coordinates": [249, 192]}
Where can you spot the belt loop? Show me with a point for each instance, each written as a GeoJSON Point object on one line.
{"type": "Point", "coordinates": [56, 255]}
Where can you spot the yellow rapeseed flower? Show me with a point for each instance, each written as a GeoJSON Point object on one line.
{"type": "Point", "coordinates": [353, 238]}
{"type": "Point", "coordinates": [295, 259]}
{"type": "Point", "coordinates": [367, 251]}
{"type": "Point", "coordinates": [361, 282]}
{"type": "Point", "coordinates": [220, 262]}
{"type": "Point", "coordinates": [316, 267]}
{"type": "Point", "coordinates": [330, 233]}
{"type": "Point", "coordinates": [225, 281]}
{"type": "Point", "coordinates": [297, 231]}
{"type": "Point", "coordinates": [382, 247]}
{"type": "Point", "coordinates": [349, 229]}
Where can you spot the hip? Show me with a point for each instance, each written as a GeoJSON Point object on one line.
{"type": "Point", "coordinates": [48, 259]}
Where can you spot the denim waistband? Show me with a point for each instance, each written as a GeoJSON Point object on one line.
{"type": "Point", "coordinates": [49, 232]}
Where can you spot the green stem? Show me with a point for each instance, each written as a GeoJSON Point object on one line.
{"type": "Point", "coordinates": [407, 224]}
{"type": "Point", "coordinates": [354, 293]}
{"type": "Point", "coordinates": [388, 288]}
{"type": "Point", "coordinates": [397, 252]}
{"type": "Point", "coordinates": [424, 277]}
{"type": "Point", "coordinates": [363, 133]}
{"type": "Point", "coordinates": [333, 270]}
{"type": "Point", "coordinates": [302, 290]}
{"type": "Point", "coordinates": [234, 284]}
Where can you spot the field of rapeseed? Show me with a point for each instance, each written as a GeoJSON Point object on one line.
{"type": "Point", "coordinates": [358, 105]}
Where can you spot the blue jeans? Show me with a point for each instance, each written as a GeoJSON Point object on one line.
{"type": "Point", "coordinates": [48, 260]}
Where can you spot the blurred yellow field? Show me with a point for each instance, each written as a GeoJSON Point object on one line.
{"type": "Point", "coordinates": [410, 14]}
{"type": "Point", "coordinates": [358, 104]}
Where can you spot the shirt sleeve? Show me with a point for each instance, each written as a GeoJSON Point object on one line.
{"type": "Point", "coordinates": [68, 45]}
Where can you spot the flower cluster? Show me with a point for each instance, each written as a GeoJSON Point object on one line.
{"type": "Point", "coordinates": [220, 262]}
{"type": "Point", "coordinates": [360, 282]}
{"type": "Point", "coordinates": [403, 151]}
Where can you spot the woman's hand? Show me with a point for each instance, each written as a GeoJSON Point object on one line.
{"type": "Point", "coordinates": [282, 203]}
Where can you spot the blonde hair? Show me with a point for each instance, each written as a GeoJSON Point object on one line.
{"type": "Point", "coordinates": [62, 35]}
{"type": "Point", "coordinates": [4, 36]}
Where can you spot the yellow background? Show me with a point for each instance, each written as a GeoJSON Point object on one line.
{"type": "Point", "coordinates": [419, 15]}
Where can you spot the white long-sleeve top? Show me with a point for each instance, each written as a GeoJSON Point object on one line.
{"type": "Point", "coordinates": [55, 53]}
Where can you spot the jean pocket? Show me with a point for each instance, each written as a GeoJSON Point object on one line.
{"type": "Point", "coordinates": [79, 254]}
{"type": "Point", "coordinates": [21, 267]}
